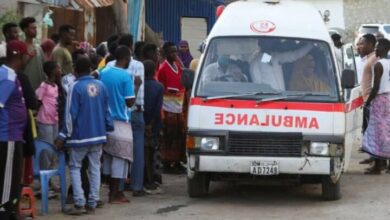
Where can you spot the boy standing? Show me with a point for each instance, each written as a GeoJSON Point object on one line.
{"type": "Point", "coordinates": [87, 120]}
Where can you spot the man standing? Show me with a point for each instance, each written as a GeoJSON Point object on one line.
{"type": "Point", "coordinates": [154, 92]}
{"type": "Point", "coordinates": [365, 48]}
{"type": "Point", "coordinates": [34, 67]}
{"type": "Point", "coordinates": [169, 75]}
{"type": "Point", "coordinates": [336, 38]}
{"type": "Point", "coordinates": [118, 151]}
{"type": "Point", "coordinates": [84, 132]}
{"type": "Point", "coordinates": [10, 32]}
{"type": "Point", "coordinates": [61, 53]}
{"type": "Point", "coordinates": [13, 119]}
{"type": "Point", "coordinates": [136, 70]}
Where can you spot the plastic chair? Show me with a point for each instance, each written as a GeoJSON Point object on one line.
{"type": "Point", "coordinates": [45, 175]}
{"type": "Point", "coordinates": [29, 211]}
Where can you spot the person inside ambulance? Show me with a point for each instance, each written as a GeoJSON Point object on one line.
{"type": "Point", "coordinates": [225, 70]}
{"type": "Point", "coordinates": [266, 63]}
{"type": "Point", "coordinates": [307, 76]}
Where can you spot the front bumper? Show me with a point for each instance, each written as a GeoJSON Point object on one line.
{"type": "Point", "coordinates": [241, 164]}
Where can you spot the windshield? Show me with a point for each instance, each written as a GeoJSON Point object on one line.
{"type": "Point", "coordinates": [387, 29]}
{"type": "Point", "coordinates": [369, 29]}
{"type": "Point", "coordinates": [260, 67]}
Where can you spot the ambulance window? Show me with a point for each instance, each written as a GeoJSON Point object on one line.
{"type": "Point", "coordinates": [238, 65]}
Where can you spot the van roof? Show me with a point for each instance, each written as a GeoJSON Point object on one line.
{"type": "Point", "coordinates": [289, 18]}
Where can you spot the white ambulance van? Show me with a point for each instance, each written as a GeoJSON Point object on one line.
{"type": "Point", "coordinates": [270, 101]}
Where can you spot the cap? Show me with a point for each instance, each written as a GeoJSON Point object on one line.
{"type": "Point", "coordinates": [15, 47]}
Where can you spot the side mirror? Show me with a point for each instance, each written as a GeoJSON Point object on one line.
{"type": "Point", "coordinates": [201, 47]}
{"type": "Point", "coordinates": [348, 79]}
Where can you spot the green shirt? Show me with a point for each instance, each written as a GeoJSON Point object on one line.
{"type": "Point", "coordinates": [62, 55]}
{"type": "Point", "coordinates": [34, 67]}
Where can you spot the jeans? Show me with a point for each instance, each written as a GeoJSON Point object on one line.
{"type": "Point", "coordinates": [47, 133]}
{"type": "Point", "coordinates": [93, 152]}
{"type": "Point", "coordinates": [137, 168]}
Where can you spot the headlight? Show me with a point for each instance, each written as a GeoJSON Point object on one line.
{"type": "Point", "coordinates": [207, 143]}
{"type": "Point", "coordinates": [319, 148]}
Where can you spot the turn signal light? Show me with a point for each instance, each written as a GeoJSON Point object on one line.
{"type": "Point", "coordinates": [190, 142]}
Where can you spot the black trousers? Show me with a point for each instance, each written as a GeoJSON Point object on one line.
{"type": "Point", "coordinates": [11, 160]}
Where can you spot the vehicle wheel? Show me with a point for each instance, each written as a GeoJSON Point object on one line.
{"type": "Point", "coordinates": [198, 185]}
{"type": "Point", "coordinates": [330, 190]}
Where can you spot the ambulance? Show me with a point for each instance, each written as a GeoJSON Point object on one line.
{"type": "Point", "coordinates": [270, 102]}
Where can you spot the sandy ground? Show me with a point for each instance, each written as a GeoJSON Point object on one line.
{"type": "Point", "coordinates": [364, 197]}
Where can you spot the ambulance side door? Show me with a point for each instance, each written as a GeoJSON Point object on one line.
{"type": "Point", "coordinates": [354, 107]}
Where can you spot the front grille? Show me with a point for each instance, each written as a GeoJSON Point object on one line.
{"type": "Point", "coordinates": [265, 144]}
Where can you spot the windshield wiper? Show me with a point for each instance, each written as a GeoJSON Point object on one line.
{"type": "Point", "coordinates": [240, 95]}
{"type": "Point", "coordinates": [304, 94]}
{"type": "Point", "coordinates": [298, 95]}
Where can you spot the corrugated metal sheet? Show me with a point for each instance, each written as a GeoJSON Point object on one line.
{"type": "Point", "coordinates": [63, 3]}
{"type": "Point", "coordinates": [78, 4]}
{"type": "Point", "coordinates": [164, 15]}
{"type": "Point", "coordinates": [94, 3]}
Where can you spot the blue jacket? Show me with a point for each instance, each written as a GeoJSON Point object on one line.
{"type": "Point", "coordinates": [87, 116]}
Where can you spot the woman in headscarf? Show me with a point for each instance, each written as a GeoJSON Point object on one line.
{"type": "Point", "coordinates": [184, 53]}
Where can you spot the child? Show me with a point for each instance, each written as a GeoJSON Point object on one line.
{"type": "Point", "coordinates": [47, 118]}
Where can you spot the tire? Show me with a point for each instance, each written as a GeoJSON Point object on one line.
{"type": "Point", "coordinates": [198, 186]}
{"type": "Point", "coordinates": [331, 191]}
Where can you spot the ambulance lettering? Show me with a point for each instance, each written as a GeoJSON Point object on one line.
{"type": "Point", "coordinates": [266, 121]}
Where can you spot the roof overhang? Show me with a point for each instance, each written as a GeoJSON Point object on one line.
{"type": "Point", "coordinates": [73, 4]}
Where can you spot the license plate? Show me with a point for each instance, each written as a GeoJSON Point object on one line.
{"type": "Point", "coordinates": [264, 168]}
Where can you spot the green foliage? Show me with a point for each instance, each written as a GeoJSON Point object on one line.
{"type": "Point", "coordinates": [8, 16]}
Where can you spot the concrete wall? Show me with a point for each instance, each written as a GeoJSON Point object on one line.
{"type": "Point", "coordinates": [7, 5]}
{"type": "Point", "coordinates": [357, 12]}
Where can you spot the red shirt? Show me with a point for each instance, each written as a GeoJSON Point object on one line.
{"type": "Point", "coordinates": [170, 78]}
{"type": "Point", "coordinates": [173, 89]}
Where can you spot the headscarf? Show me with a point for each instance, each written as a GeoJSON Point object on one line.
{"type": "Point", "coordinates": [194, 64]}
{"type": "Point", "coordinates": [185, 57]}
{"type": "Point", "coordinates": [47, 47]}
{"type": "Point", "coordinates": [86, 46]}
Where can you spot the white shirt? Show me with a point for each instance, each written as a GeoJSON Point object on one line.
{"type": "Point", "coordinates": [67, 81]}
{"type": "Point", "coordinates": [271, 72]}
{"type": "Point", "coordinates": [3, 49]}
{"type": "Point", "coordinates": [136, 68]}
{"type": "Point", "coordinates": [360, 67]}
{"type": "Point", "coordinates": [384, 86]}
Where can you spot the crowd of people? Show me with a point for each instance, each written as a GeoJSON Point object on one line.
{"type": "Point", "coordinates": [117, 111]}
{"type": "Point", "coordinates": [373, 70]}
